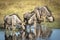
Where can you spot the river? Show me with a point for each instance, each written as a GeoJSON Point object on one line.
{"type": "Point", "coordinates": [54, 36]}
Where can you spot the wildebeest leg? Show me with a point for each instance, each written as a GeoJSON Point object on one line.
{"type": "Point", "coordinates": [6, 26]}
{"type": "Point", "coordinates": [35, 28]}
{"type": "Point", "coordinates": [6, 38]}
{"type": "Point", "coordinates": [9, 38]}
{"type": "Point", "coordinates": [27, 35]}
{"type": "Point", "coordinates": [13, 38]}
{"type": "Point", "coordinates": [30, 36]}
{"type": "Point", "coordinates": [23, 27]}
{"type": "Point", "coordinates": [23, 36]}
{"type": "Point", "coordinates": [39, 30]}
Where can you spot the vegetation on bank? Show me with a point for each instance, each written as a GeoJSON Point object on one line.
{"type": "Point", "coordinates": [21, 6]}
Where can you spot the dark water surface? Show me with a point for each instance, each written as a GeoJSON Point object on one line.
{"type": "Point", "coordinates": [54, 36]}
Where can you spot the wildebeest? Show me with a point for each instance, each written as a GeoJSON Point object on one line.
{"type": "Point", "coordinates": [32, 20]}
{"type": "Point", "coordinates": [43, 13]}
{"type": "Point", "coordinates": [28, 22]}
{"type": "Point", "coordinates": [13, 22]}
{"type": "Point", "coordinates": [39, 16]}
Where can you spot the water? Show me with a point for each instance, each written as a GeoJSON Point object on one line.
{"type": "Point", "coordinates": [2, 35]}
{"type": "Point", "coordinates": [54, 36]}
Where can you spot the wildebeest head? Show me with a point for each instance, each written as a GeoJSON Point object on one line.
{"type": "Point", "coordinates": [44, 11]}
{"type": "Point", "coordinates": [27, 16]}
{"type": "Point", "coordinates": [48, 14]}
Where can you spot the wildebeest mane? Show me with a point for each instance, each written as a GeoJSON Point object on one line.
{"type": "Point", "coordinates": [16, 15]}
{"type": "Point", "coordinates": [48, 10]}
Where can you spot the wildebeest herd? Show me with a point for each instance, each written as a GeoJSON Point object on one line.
{"type": "Point", "coordinates": [30, 28]}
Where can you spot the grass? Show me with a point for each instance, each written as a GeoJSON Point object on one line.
{"type": "Point", "coordinates": [21, 6]}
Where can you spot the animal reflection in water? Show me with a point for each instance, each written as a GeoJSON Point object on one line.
{"type": "Point", "coordinates": [32, 27]}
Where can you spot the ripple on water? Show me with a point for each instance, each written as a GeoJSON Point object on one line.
{"type": "Point", "coordinates": [55, 35]}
